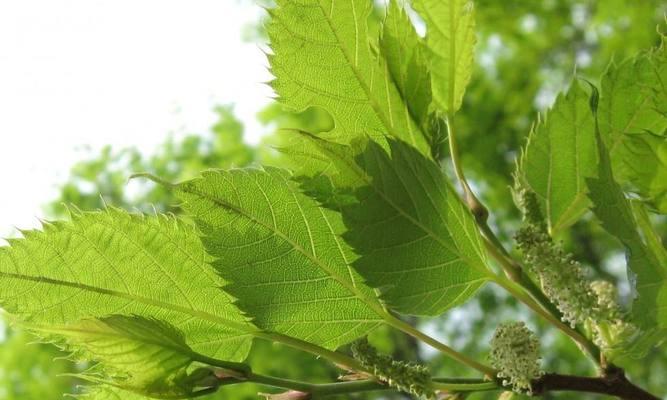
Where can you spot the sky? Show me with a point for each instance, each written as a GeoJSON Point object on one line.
{"type": "Point", "coordinates": [78, 74]}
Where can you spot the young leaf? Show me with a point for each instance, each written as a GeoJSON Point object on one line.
{"type": "Point", "coordinates": [559, 155]}
{"type": "Point", "coordinates": [282, 255]}
{"type": "Point", "coordinates": [406, 60]}
{"type": "Point", "coordinates": [322, 57]}
{"type": "Point", "coordinates": [616, 214]}
{"type": "Point", "coordinates": [113, 262]}
{"type": "Point", "coordinates": [418, 243]}
{"type": "Point", "coordinates": [450, 38]}
{"type": "Point", "coordinates": [145, 356]}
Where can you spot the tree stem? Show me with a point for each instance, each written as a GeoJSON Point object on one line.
{"type": "Point", "coordinates": [614, 383]}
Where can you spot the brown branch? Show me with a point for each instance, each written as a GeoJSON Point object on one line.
{"type": "Point", "coordinates": [613, 383]}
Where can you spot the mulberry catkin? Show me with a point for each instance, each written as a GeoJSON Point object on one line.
{"type": "Point", "coordinates": [561, 277]}
{"type": "Point", "coordinates": [407, 377]}
{"type": "Point", "coordinates": [515, 353]}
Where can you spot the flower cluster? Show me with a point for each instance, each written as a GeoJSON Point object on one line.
{"type": "Point", "coordinates": [561, 277]}
{"type": "Point", "coordinates": [515, 353]}
{"type": "Point", "coordinates": [407, 377]}
{"type": "Point", "coordinates": [606, 296]}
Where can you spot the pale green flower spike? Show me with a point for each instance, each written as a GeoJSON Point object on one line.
{"type": "Point", "coordinates": [515, 353]}
{"type": "Point", "coordinates": [612, 332]}
{"type": "Point", "coordinates": [606, 293]}
{"type": "Point", "coordinates": [407, 377]}
{"type": "Point", "coordinates": [561, 277]}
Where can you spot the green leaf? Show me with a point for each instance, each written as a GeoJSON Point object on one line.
{"type": "Point", "coordinates": [615, 211]}
{"type": "Point", "coordinates": [406, 59]}
{"type": "Point", "coordinates": [633, 122]}
{"type": "Point", "coordinates": [418, 243]}
{"type": "Point", "coordinates": [113, 262]}
{"type": "Point", "coordinates": [633, 98]}
{"type": "Point", "coordinates": [450, 37]}
{"type": "Point", "coordinates": [322, 57]}
{"type": "Point", "coordinates": [145, 356]}
{"type": "Point", "coordinates": [559, 155]}
{"type": "Point", "coordinates": [645, 162]}
{"type": "Point", "coordinates": [282, 255]}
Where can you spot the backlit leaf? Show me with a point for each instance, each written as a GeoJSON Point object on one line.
{"type": "Point", "coordinates": [418, 243]}
{"type": "Point", "coordinates": [559, 155]}
{"type": "Point", "coordinates": [282, 255]}
{"type": "Point", "coordinates": [113, 262]}
{"type": "Point", "coordinates": [322, 57]}
{"type": "Point", "coordinates": [450, 36]}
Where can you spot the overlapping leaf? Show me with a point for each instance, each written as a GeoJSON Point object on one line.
{"type": "Point", "coordinates": [633, 122]}
{"type": "Point", "coordinates": [406, 60]}
{"type": "Point", "coordinates": [322, 57]}
{"type": "Point", "coordinates": [633, 95]}
{"type": "Point", "coordinates": [282, 255]}
{"type": "Point", "coordinates": [559, 155]}
{"type": "Point", "coordinates": [117, 263]}
{"type": "Point", "coordinates": [616, 214]}
{"type": "Point", "coordinates": [418, 243]}
{"type": "Point", "coordinates": [141, 355]}
{"type": "Point", "coordinates": [450, 37]}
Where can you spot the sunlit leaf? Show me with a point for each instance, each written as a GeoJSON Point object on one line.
{"type": "Point", "coordinates": [559, 155]}
{"type": "Point", "coordinates": [282, 255]}
{"type": "Point", "coordinates": [323, 57]}
{"type": "Point", "coordinates": [418, 243]}
{"type": "Point", "coordinates": [113, 262]}
{"type": "Point", "coordinates": [451, 40]}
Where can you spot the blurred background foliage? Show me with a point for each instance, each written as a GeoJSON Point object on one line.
{"type": "Point", "coordinates": [527, 52]}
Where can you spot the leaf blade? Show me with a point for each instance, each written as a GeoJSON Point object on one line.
{"type": "Point", "coordinates": [140, 355]}
{"type": "Point", "coordinates": [407, 228]}
{"type": "Point", "coordinates": [451, 39]}
{"type": "Point", "coordinates": [113, 262]}
{"type": "Point", "coordinates": [615, 212]}
{"type": "Point", "coordinates": [559, 155]}
{"type": "Point", "coordinates": [347, 79]}
{"type": "Point", "coordinates": [287, 265]}
{"type": "Point", "coordinates": [406, 61]}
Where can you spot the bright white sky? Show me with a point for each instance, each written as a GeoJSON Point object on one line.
{"type": "Point", "coordinates": [77, 73]}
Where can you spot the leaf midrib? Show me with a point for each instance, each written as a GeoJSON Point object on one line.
{"type": "Point", "coordinates": [141, 299]}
